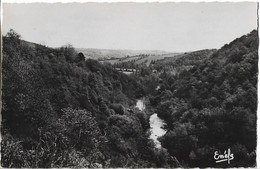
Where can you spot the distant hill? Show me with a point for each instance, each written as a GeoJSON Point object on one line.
{"type": "Point", "coordinates": [132, 61]}
{"type": "Point", "coordinates": [187, 58]}
{"type": "Point", "coordinates": [113, 53]}
{"type": "Point", "coordinates": [151, 58]}
{"type": "Point", "coordinates": [183, 61]}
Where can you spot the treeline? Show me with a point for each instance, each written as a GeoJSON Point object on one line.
{"type": "Point", "coordinates": [181, 62]}
{"type": "Point", "coordinates": [212, 106]}
{"type": "Point", "coordinates": [60, 110]}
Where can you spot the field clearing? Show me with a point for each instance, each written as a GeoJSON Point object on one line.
{"type": "Point", "coordinates": [121, 60]}
{"type": "Point", "coordinates": [147, 60]}
{"type": "Point", "coordinates": [151, 58]}
{"type": "Point", "coordinates": [112, 61]}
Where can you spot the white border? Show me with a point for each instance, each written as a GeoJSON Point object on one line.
{"type": "Point", "coordinates": [113, 1]}
{"type": "Point", "coordinates": [150, 1]}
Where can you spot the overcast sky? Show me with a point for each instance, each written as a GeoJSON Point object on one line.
{"type": "Point", "coordinates": [175, 27]}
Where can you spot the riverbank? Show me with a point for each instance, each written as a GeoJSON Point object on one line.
{"type": "Point", "coordinates": [156, 124]}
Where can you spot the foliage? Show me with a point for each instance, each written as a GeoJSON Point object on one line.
{"type": "Point", "coordinates": [211, 105]}
{"type": "Point", "coordinates": [60, 110]}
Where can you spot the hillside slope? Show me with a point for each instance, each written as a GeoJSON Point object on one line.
{"type": "Point", "coordinates": [212, 106]}
{"type": "Point", "coordinates": [62, 111]}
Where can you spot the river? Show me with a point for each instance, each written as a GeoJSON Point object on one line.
{"type": "Point", "coordinates": [140, 104]}
{"type": "Point", "coordinates": [156, 129]}
{"type": "Point", "coordinates": [156, 125]}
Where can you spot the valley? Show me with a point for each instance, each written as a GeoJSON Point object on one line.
{"type": "Point", "coordinates": [67, 107]}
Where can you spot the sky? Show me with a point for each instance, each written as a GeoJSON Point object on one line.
{"type": "Point", "coordinates": [174, 27]}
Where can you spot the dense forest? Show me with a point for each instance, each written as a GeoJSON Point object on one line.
{"type": "Point", "coordinates": [211, 103]}
{"type": "Point", "coordinates": [60, 110]}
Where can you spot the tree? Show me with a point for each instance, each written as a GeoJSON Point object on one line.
{"type": "Point", "coordinates": [12, 34]}
{"type": "Point", "coordinates": [80, 57]}
{"type": "Point", "coordinates": [13, 39]}
{"type": "Point", "coordinates": [69, 52]}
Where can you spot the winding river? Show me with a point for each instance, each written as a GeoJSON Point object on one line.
{"type": "Point", "coordinates": [156, 125]}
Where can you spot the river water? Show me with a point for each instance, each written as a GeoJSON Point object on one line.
{"type": "Point", "coordinates": [156, 125]}
{"type": "Point", "coordinates": [156, 129]}
{"type": "Point", "coordinates": [140, 105]}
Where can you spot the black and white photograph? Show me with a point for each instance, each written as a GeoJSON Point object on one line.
{"type": "Point", "coordinates": [129, 84]}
